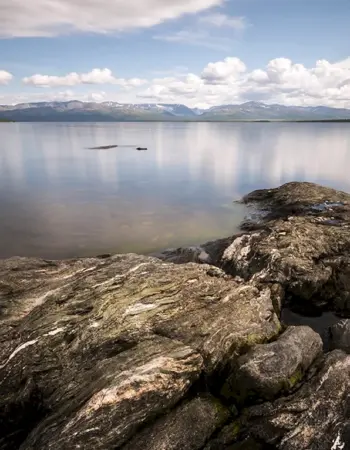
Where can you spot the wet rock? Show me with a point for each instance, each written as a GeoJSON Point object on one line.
{"type": "Point", "coordinates": [188, 427]}
{"type": "Point", "coordinates": [298, 246]}
{"type": "Point", "coordinates": [339, 335]}
{"type": "Point", "coordinates": [183, 255]}
{"type": "Point", "coordinates": [297, 198]}
{"type": "Point", "coordinates": [208, 253]}
{"type": "Point", "coordinates": [316, 417]}
{"type": "Point", "coordinates": [270, 369]}
{"type": "Point", "coordinates": [93, 349]}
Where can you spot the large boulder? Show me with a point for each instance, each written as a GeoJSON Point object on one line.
{"type": "Point", "coordinates": [302, 242]}
{"type": "Point", "coordinates": [275, 368]}
{"type": "Point", "coordinates": [315, 417]}
{"type": "Point", "coordinates": [93, 349]}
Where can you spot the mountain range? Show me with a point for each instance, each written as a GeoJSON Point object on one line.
{"type": "Point", "coordinates": [77, 111]}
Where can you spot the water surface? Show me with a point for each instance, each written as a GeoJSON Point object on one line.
{"type": "Point", "coordinates": [59, 199]}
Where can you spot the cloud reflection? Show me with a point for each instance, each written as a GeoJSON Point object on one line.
{"type": "Point", "coordinates": [59, 199]}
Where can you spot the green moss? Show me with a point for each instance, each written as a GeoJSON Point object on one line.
{"type": "Point", "coordinates": [253, 339]}
{"type": "Point", "coordinates": [295, 378]}
{"type": "Point", "coordinates": [235, 429]}
{"type": "Point", "coordinates": [222, 412]}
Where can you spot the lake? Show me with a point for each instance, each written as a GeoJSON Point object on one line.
{"type": "Point", "coordinates": [60, 199]}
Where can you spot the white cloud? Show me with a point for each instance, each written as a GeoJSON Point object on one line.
{"type": "Point", "coordinates": [5, 77]}
{"type": "Point", "coordinates": [281, 81]}
{"type": "Point", "coordinates": [222, 20]}
{"type": "Point", "coordinates": [223, 82]}
{"type": "Point", "coordinates": [96, 76]}
{"type": "Point", "coordinates": [55, 17]}
{"type": "Point", "coordinates": [224, 72]}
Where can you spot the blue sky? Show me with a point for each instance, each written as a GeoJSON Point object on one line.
{"type": "Point", "coordinates": [167, 45]}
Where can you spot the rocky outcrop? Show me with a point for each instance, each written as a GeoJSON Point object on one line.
{"type": "Point", "coordinates": [301, 242]}
{"type": "Point", "coordinates": [136, 352]}
{"type": "Point", "coordinates": [270, 369]}
{"type": "Point", "coordinates": [94, 349]}
{"type": "Point", "coordinates": [297, 198]}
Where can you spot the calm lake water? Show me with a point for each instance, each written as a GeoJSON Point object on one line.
{"type": "Point", "coordinates": [59, 199]}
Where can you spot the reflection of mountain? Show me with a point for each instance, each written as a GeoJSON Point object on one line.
{"type": "Point", "coordinates": [63, 199]}
{"type": "Point", "coordinates": [76, 111]}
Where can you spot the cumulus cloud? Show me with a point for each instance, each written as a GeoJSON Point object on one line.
{"type": "Point", "coordinates": [5, 77]}
{"type": "Point", "coordinates": [222, 82]}
{"type": "Point", "coordinates": [55, 17]}
{"type": "Point", "coordinates": [223, 72]}
{"type": "Point", "coordinates": [223, 20]}
{"type": "Point", "coordinates": [281, 81]}
{"type": "Point", "coordinates": [96, 76]}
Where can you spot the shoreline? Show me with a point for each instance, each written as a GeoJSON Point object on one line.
{"type": "Point", "coordinates": [186, 350]}
{"type": "Point", "coordinates": [187, 121]}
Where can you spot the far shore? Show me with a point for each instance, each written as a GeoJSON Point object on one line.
{"type": "Point", "coordinates": [184, 121]}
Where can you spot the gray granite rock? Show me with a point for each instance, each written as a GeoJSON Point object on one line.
{"type": "Point", "coordinates": [275, 368]}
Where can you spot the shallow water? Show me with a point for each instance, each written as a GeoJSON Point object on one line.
{"type": "Point", "coordinates": [319, 323]}
{"type": "Point", "coordinates": [58, 198]}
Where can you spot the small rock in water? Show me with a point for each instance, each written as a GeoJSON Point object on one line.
{"type": "Point", "coordinates": [103, 147]}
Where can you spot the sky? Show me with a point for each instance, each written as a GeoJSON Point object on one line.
{"type": "Point", "coordinates": [200, 53]}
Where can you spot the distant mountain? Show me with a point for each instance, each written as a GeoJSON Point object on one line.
{"type": "Point", "coordinates": [121, 112]}
{"type": "Point", "coordinates": [261, 111]}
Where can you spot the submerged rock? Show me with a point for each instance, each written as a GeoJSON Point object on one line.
{"type": "Point", "coordinates": [269, 369]}
{"type": "Point", "coordinates": [94, 349]}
